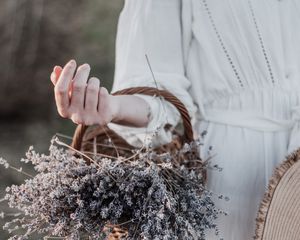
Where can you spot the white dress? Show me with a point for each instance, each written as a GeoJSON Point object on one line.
{"type": "Point", "coordinates": [235, 64]}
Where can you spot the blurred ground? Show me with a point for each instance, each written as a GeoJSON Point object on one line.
{"type": "Point", "coordinates": [35, 36]}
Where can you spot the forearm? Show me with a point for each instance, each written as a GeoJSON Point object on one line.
{"type": "Point", "coordinates": [132, 111]}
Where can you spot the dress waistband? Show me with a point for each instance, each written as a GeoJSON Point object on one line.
{"type": "Point", "coordinates": [247, 119]}
{"type": "Point", "coordinates": [257, 121]}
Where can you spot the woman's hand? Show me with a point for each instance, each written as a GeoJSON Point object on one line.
{"type": "Point", "coordinates": [81, 98]}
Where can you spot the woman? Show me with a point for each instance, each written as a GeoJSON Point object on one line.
{"type": "Point", "coordinates": [234, 64]}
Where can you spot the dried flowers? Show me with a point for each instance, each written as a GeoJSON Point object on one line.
{"type": "Point", "coordinates": [151, 197]}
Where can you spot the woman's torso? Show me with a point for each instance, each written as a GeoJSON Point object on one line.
{"type": "Point", "coordinates": [245, 55]}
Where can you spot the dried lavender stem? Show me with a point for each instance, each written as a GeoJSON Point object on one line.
{"type": "Point", "coordinates": [18, 170]}
{"type": "Point", "coordinates": [79, 152]}
{"type": "Point", "coordinates": [100, 154]}
{"type": "Point", "coordinates": [75, 150]}
{"type": "Point", "coordinates": [49, 237]}
{"type": "Point", "coordinates": [112, 142]}
{"type": "Point", "coordinates": [120, 224]}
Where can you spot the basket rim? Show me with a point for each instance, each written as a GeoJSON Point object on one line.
{"type": "Point", "coordinates": [188, 135]}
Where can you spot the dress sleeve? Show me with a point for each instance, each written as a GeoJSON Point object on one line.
{"type": "Point", "coordinates": [153, 28]}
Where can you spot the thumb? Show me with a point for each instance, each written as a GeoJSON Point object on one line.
{"type": "Point", "coordinates": [55, 74]}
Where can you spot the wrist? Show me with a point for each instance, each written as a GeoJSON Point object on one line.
{"type": "Point", "coordinates": [130, 110]}
{"type": "Point", "coordinates": [116, 109]}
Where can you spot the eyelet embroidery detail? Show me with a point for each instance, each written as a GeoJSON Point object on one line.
{"type": "Point", "coordinates": [222, 43]}
{"type": "Point", "coordinates": [261, 42]}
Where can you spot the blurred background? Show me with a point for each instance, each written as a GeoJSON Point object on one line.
{"type": "Point", "coordinates": [35, 36]}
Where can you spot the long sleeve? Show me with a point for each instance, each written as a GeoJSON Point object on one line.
{"type": "Point", "coordinates": [153, 28]}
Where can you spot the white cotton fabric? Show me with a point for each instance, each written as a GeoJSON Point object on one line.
{"type": "Point", "coordinates": [236, 67]}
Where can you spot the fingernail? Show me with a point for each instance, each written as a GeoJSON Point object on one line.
{"type": "Point", "coordinates": [72, 62]}
{"type": "Point", "coordinates": [86, 65]}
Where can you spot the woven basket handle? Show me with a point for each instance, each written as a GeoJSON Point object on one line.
{"type": "Point", "coordinates": [151, 91]}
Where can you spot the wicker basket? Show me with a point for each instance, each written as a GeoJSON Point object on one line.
{"type": "Point", "coordinates": [105, 141]}
{"type": "Point", "coordinates": [278, 217]}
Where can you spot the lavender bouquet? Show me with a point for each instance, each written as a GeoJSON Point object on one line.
{"type": "Point", "coordinates": [150, 197]}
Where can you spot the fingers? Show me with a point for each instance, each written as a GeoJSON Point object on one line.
{"type": "Point", "coordinates": [61, 88]}
{"type": "Point", "coordinates": [79, 87]}
{"type": "Point", "coordinates": [53, 78]}
{"type": "Point", "coordinates": [92, 95]}
{"type": "Point", "coordinates": [66, 75]}
{"type": "Point", "coordinates": [103, 95]}
{"type": "Point", "coordinates": [103, 106]}
{"type": "Point", "coordinates": [55, 74]}
{"type": "Point", "coordinates": [80, 99]}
